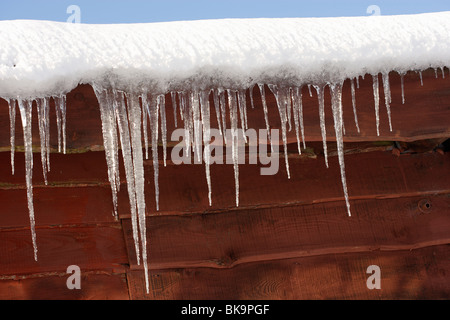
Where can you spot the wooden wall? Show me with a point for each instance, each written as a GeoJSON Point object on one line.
{"type": "Point", "coordinates": [289, 239]}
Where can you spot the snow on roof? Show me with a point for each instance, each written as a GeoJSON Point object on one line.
{"type": "Point", "coordinates": [41, 58]}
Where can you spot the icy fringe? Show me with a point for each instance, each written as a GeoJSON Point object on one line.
{"type": "Point", "coordinates": [125, 115]}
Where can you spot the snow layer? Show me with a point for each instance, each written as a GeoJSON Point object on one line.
{"type": "Point", "coordinates": [41, 58]}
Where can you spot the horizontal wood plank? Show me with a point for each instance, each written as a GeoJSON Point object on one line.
{"type": "Point", "coordinates": [416, 274]}
{"type": "Point", "coordinates": [94, 286]}
{"type": "Point", "coordinates": [90, 248]}
{"type": "Point", "coordinates": [80, 179]}
{"type": "Point", "coordinates": [232, 238]}
{"type": "Point", "coordinates": [183, 189]}
{"type": "Point", "coordinates": [57, 206]}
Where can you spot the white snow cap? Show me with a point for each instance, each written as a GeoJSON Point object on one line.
{"type": "Point", "coordinates": [41, 58]}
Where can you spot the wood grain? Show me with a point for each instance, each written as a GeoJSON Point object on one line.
{"type": "Point", "coordinates": [90, 248]}
{"type": "Point", "coordinates": [412, 274]}
{"type": "Point", "coordinates": [229, 239]}
{"type": "Point", "coordinates": [94, 286]}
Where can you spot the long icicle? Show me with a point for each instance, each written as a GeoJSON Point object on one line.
{"type": "Point", "coordinates": [25, 108]}
{"type": "Point", "coordinates": [354, 104]}
{"type": "Point", "coordinates": [124, 132]}
{"type": "Point", "coordinates": [195, 102]}
{"type": "Point", "coordinates": [108, 129]}
{"type": "Point", "coordinates": [281, 98]}
{"type": "Point", "coordinates": [154, 120]}
{"type": "Point", "coordinates": [217, 108]}
{"type": "Point", "coordinates": [135, 116]}
{"type": "Point", "coordinates": [206, 122]}
{"type": "Point", "coordinates": [62, 107]}
{"type": "Point", "coordinates": [295, 108]}
{"type": "Point", "coordinates": [173, 96]}
{"type": "Point", "coordinates": [242, 111]}
{"type": "Point", "coordinates": [234, 138]}
{"type": "Point", "coordinates": [12, 123]}
{"type": "Point", "coordinates": [336, 98]}
{"type": "Point", "coordinates": [144, 123]}
{"type": "Point", "coordinates": [265, 110]}
{"type": "Point", "coordinates": [46, 116]}
{"type": "Point", "coordinates": [376, 96]}
{"type": "Point", "coordinates": [387, 97]}
{"type": "Point", "coordinates": [321, 97]}
{"type": "Point", "coordinates": [162, 111]}
{"type": "Point", "coordinates": [223, 111]}
{"type": "Point", "coordinates": [57, 101]}
{"type": "Point", "coordinates": [299, 94]}
{"type": "Point", "coordinates": [42, 136]}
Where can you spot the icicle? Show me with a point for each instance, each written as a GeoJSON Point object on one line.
{"type": "Point", "coordinates": [443, 72]}
{"type": "Point", "coordinates": [436, 72]}
{"type": "Point", "coordinates": [114, 138]}
{"type": "Point", "coordinates": [234, 139]}
{"type": "Point", "coordinates": [135, 116]}
{"type": "Point", "coordinates": [162, 109]}
{"type": "Point", "coordinates": [58, 121]}
{"type": "Point", "coordinates": [357, 82]}
{"type": "Point", "coordinates": [281, 98]}
{"type": "Point", "coordinates": [295, 107]}
{"type": "Point", "coordinates": [402, 78]}
{"type": "Point", "coordinates": [144, 123]}
{"type": "Point", "coordinates": [421, 78]}
{"type": "Point", "coordinates": [217, 108]}
{"type": "Point", "coordinates": [42, 136]}
{"type": "Point", "coordinates": [206, 118]}
{"type": "Point", "coordinates": [60, 108]}
{"type": "Point", "coordinates": [252, 101]}
{"type": "Point", "coordinates": [387, 97]}
{"type": "Point", "coordinates": [173, 95]}
{"type": "Point", "coordinates": [12, 126]}
{"type": "Point", "coordinates": [123, 124]}
{"type": "Point", "coordinates": [266, 112]}
{"type": "Point", "coordinates": [321, 96]}
{"type": "Point", "coordinates": [289, 109]}
{"type": "Point", "coordinates": [25, 108]}
{"type": "Point", "coordinates": [180, 97]}
{"type": "Point", "coordinates": [46, 117]}
{"type": "Point", "coordinates": [299, 95]}
{"type": "Point", "coordinates": [354, 104]}
{"type": "Point", "coordinates": [336, 92]}
{"type": "Point", "coordinates": [109, 130]}
{"type": "Point", "coordinates": [185, 117]}
{"type": "Point", "coordinates": [154, 115]}
{"type": "Point", "coordinates": [223, 112]}
{"type": "Point", "coordinates": [310, 91]}
{"type": "Point", "coordinates": [195, 101]}
{"type": "Point", "coordinates": [242, 111]}
{"type": "Point", "coordinates": [376, 95]}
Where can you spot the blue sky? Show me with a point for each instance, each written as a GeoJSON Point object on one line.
{"type": "Point", "coordinates": [137, 11]}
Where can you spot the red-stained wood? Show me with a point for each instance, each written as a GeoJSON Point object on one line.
{"type": "Point", "coordinates": [369, 175]}
{"type": "Point", "coordinates": [76, 205]}
{"type": "Point", "coordinates": [430, 101]}
{"type": "Point", "coordinates": [411, 274]}
{"type": "Point", "coordinates": [79, 191]}
{"type": "Point", "coordinates": [289, 239]}
{"type": "Point", "coordinates": [233, 238]}
{"type": "Point", "coordinates": [94, 286]}
{"type": "Point", "coordinates": [89, 247]}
